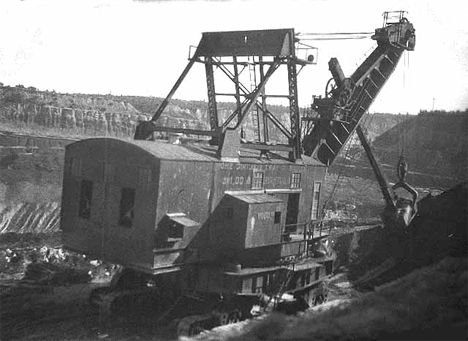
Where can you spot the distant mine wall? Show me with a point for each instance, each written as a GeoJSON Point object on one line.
{"type": "Point", "coordinates": [88, 122]}
{"type": "Point", "coordinates": [85, 115]}
{"type": "Point", "coordinates": [377, 124]}
{"type": "Point", "coordinates": [433, 143]}
{"type": "Point", "coordinates": [81, 121]}
{"type": "Point", "coordinates": [105, 122]}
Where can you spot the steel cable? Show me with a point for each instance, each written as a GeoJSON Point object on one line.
{"type": "Point", "coordinates": [366, 125]}
{"type": "Point", "coordinates": [337, 38]}
{"type": "Point", "coordinates": [332, 33]}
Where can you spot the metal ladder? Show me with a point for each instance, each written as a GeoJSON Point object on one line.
{"type": "Point", "coordinates": [253, 86]}
{"type": "Point", "coordinates": [284, 285]}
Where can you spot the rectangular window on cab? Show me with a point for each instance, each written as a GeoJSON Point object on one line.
{"type": "Point", "coordinates": [86, 196]}
{"type": "Point", "coordinates": [315, 201]}
{"type": "Point", "coordinates": [127, 207]}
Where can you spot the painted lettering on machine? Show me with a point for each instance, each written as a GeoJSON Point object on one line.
{"type": "Point", "coordinates": [265, 216]}
{"type": "Point", "coordinates": [252, 176]}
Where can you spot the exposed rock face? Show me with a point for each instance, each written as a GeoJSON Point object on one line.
{"type": "Point", "coordinates": [85, 115]}
{"type": "Point", "coordinates": [30, 182]}
{"type": "Point", "coordinates": [82, 121]}
{"type": "Point", "coordinates": [23, 217]}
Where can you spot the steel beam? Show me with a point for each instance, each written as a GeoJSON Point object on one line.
{"type": "Point", "coordinates": [210, 84]}
{"type": "Point", "coordinates": [188, 131]}
{"type": "Point", "coordinates": [257, 92]}
{"type": "Point", "coordinates": [236, 84]}
{"type": "Point", "coordinates": [277, 123]}
{"type": "Point", "coordinates": [165, 102]}
{"type": "Point", "coordinates": [266, 137]}
{"type": "Point", "coordinates": [246, 93]}
{"type": "Point", "coordinates": [294, 111]}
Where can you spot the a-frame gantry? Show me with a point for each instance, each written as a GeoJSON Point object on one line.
{"type": "Point", "coordinates": [248, 59]}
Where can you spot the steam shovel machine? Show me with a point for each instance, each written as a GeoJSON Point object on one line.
{"type": "Point", "coordinates": [212, 232]}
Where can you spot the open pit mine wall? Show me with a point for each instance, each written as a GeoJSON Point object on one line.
{"type": "Point", "coordinates": [85, 115]}
{"type": "Point", "coordinates": [89, 122]}
{"type": "Point", "coordinates": [29, 217]}
{"type": "Point", "coordinates": [433, 143]}
{"type": "Point", "coordinates": [30, 182]}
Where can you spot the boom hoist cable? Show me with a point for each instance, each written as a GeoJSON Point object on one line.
{"type": "Point", "coordinates": [334, 35]}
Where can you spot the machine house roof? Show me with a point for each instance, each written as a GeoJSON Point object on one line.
{"type": "Point", "coordinates": [275, 42]}
{"type": "Point", "coordinates": [163, 150]}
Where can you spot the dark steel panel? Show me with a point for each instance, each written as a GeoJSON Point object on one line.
{"type": "Point", "coordinates": [184, 188]}
{"type": "Point", "coordinates": [111, 164]}
{"type": "Point", "coordinates": [279, 42]}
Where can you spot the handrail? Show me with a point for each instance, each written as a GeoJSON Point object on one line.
{"type": "Point", "coordinates": [307, 230]}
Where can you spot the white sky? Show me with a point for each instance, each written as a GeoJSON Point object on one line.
{"type": "Point", "coordinates": [140, 48]}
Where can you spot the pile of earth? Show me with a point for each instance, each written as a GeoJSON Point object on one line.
{"type": "Point", "coordinates": [39, 259]}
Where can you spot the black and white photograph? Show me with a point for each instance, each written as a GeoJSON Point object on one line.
{"type": "Point", "coordinates": [233, 170]}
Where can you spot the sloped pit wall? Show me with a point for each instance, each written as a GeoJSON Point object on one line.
{"type": "Point", "coordinates": [29, 217]}
{"type": "Point", "coordinates": [31, 169]}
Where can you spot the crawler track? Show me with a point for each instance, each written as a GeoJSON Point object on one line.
{"type": "Point", "coordinates": [28, 309]}
{"type": "Point", "coordinates": [17, 322]}
{"type": "Point", "coordinates": [43, 313]}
